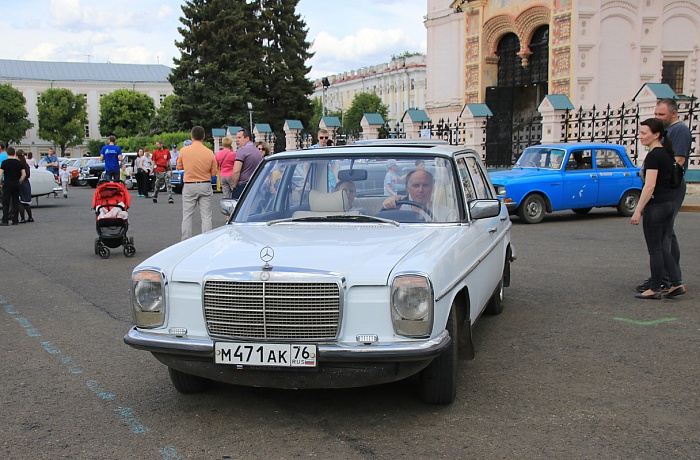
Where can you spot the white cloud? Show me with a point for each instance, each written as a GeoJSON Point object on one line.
{"type": "Point", "coordinates": [100, 38]}
{"type": "Point", "coordinates": [133, 55]}
{"type": "Point", "coordinates": [66, 13]}
{"type": "Point", "coordinates": [164, 12]}
{"type": "Point", "coordinates": [42, 52]}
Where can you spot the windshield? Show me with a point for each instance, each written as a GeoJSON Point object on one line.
{"type": "Point", "coordinates": [352, 189]}
{"type": "Point", "coordinates": [541, 157]}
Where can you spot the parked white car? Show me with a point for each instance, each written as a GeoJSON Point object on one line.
{"type": "Point", "coordinates": [320, 281]}
{"type": "Point", "coordinates": [43, 183]}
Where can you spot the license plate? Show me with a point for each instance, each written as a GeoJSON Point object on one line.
{"type": "Point", "coordinates": [265, 354]}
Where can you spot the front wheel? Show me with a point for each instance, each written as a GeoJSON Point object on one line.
{"type": "Point", "coordinates": [129, 250]}
{"type": "Point", "coordinates": [495, 305]}
{"type": "Point", "coordinates": [532, 209]}
{"type": "Point", "coordinates": [82, 182]}
{"type": "Point", "coordinates": [628, 203]}
{"type": "Point", "coordinates": [188, 384]}
{"type": "Point", "coordinates": [104, 252]}
{"type": "Point", "coordinates": [438, 381]}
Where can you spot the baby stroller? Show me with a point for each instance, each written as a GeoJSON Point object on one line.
{"type": "Point", "coordinates": [111, 202]}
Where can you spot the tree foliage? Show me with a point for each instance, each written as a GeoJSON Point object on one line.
{"type": "Point", "coordinates": [125, 113]}
{"type": "Point", "coordinates": [234, 52]}
{"type": "Point", "coordinates": [62, 117]}
{"type": "Point", "coordinates": [405, 54]}
{"type": "Point", "coordinates": [364, 103]}
{"type": "Point", "coordinates": [14, 120]}
{"type": "Point", "coordinates": [165, 120]}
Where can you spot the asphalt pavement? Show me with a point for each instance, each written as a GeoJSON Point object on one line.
{"type": "Point", "coordinates": [574, 368]}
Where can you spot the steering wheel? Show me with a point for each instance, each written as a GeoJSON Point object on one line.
{"type": "Point", "coordinates": [423, 208]}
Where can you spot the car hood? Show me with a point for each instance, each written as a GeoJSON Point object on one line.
{"type": "Point", "coordinates": [503, 177]}
{"type": "Point", "coordinates": [364, 254]}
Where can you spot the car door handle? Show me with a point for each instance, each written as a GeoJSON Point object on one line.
{"type": "Point", "coordinates": [594, 176]}
{"type": "Point", "coordinates": [503, 218]}
{"type": "Point", "coordinates": [493, 230]}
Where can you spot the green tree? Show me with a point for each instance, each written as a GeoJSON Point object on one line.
{"type": "Point", "coordinates": [215, 71]}
{"type": "Point", "coordinates": [62, 117]}
{"type": "Point", "coordinates": [14, 120]}
{"type": "Point", "coordinates": [285, 51]}
{"type": "Point", "coordinates": [317, 113]}
{"type": "Point", "coordinates": [235, 52]}
{"type": "Point", "coordinates": [125, 113]}
{"type": "Point", "coordinates": [165, 121]}
{"type": "Point", "coordinates": [362, 104]}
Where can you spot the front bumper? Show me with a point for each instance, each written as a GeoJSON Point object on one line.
{"type": "Point", "coordinates": [340, 365]}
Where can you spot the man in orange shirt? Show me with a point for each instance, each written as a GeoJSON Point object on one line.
{"type": "Point", "coordinates": [161, 170]}
{"type": "Point", "coordinates": [199, 164]}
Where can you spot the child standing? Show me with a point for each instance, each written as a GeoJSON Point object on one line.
{"type": "Point", "coordinates": [64, 176]}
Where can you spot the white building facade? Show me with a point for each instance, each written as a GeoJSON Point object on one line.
{"type": "Point", "coordinates": [93, 80]}
{"type": "Point", "coordinates": [401, 84]}
{"type": "Point", "coordinates": [593, 51]}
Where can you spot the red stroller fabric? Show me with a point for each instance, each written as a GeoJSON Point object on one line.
{"type": "Point", "coordinates": [109, 194]}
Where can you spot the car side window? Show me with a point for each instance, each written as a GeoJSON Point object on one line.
{"type": "Point", "coordinates": [479, 180]}
{"type": "Point", "coordinates": [580, 159]}
{"type": "Point", "coordinates": [608, 159]}
{"type": "Point", "coordinates": [466, 180]}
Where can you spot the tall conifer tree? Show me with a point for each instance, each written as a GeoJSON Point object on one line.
{"type": "Point", "coordinates": [211, 77]}
{"type": "Point", "coordinates": [234, 52]}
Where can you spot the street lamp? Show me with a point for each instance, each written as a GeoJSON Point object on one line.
{"type": "Point", "coordinates": [326, 84]}
{"type": "Point", "coordinates": [250, 113]}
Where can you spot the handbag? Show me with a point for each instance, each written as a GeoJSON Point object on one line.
{"type": "Point", "coordinates": [677, 174]}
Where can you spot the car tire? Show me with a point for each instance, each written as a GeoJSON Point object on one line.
{"type": "Point", "coordinates": [628, 203]}
{"type": "Point", "coordinates": [188, 384]}
{"type": "Point", "coordinates": [495, 305]}
{"type": "Point", "coordinates": [82, 182]}
{"type": "Point", "coordinates": [438, 381]}
{"type": "Point", "coordinates": [532, 209]}
{"type": "Point", "coordinates": [582, 210]}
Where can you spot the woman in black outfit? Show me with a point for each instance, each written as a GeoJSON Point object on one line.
{"type": "Point", "coordinates": [25, 191]}
{"type": "Point", "coordinates": [656, 205]}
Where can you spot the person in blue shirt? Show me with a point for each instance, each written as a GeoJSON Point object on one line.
{"type": "Point", "coordinates": [112, 156]}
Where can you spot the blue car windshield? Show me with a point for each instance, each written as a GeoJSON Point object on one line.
{"type": "Point", "coordinates": [541, 158]}
{"type": "Point", "coordinates": [352, 189]}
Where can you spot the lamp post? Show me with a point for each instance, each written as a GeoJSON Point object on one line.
{"type": "Point", "coordinates": [326, 84]}
{"type": "Point", "coordinates": [250, 113]}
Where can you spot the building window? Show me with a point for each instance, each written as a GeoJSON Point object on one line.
{"type": "Point", "coordinates": [38, 97]}
{"type": "Point", "coordinates": [413, 84]}
{"type": "Point", "coordinates": [161, 97]}
{"type": "Point", "coordinates": [87, 131]}
{"type": "Point", "coordinates": [672, 74]}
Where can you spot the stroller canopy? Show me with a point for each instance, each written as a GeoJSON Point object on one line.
{"type": "Point", "coordinates": [111, 193]}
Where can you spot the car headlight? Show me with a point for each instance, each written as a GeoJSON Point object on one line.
{"type": "Point", "coordinates": [412, 305]}
{"type": "Point", "coordinates": [148, 298]}
{"type": "Point", "coordinates": [500, 190]}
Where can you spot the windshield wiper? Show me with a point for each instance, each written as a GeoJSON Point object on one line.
{"type": "Point", "coordinates": [339, 217]}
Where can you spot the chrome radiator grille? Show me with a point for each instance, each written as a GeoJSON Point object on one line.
{"type": "Point", "coordinates": [266, 310]}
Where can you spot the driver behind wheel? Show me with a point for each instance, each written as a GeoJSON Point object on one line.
{"type": "Point", "coordinates": [419, 184]}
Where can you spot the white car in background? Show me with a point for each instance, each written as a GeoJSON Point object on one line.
{"type": "Point", "coordinates": [43, 183]}
{"type": "Point", "coordinates": [314, 285]}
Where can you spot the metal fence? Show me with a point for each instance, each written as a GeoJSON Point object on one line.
{"type": "Point", "coordinates": [617, 126]}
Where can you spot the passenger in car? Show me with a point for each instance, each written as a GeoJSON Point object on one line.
{"type": "Point", "coordinates": [350, 193]}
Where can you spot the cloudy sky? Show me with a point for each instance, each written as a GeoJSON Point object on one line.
{"type": "Point", "coordinates": [346, 34]}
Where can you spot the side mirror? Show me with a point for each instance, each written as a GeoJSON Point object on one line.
{"type": "Point", "coordinates": [483, 209]}
{"type": "Point", "coordinates": [227, 207]}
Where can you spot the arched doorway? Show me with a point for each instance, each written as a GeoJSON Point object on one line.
{"type": "Point", "coordinates": [520, 89]}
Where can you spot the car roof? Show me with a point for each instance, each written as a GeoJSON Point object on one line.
{"type": "Point", "coordinates": [573, 145]}
{"type": "Point", "coordinates": [383, 147]}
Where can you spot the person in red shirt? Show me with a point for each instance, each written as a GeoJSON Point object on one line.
{"type": "Point", "coordinates": [162, 170]}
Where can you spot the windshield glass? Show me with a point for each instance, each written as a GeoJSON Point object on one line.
{"type": "Point", "coordinates": [359, 189]}
{"type": "Point", "coordinates": [540, 157]}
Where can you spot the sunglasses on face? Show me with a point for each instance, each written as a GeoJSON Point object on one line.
{"type": "Point", "coordinates": [321, 137]}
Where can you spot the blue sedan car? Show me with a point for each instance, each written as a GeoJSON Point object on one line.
{"type": "Point", "coordinates": [577, 176]}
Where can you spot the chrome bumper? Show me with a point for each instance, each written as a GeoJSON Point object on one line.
{"type": "Point", "coordinates": [328, 352]}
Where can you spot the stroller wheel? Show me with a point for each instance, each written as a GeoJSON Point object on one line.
{"type": "Point", "coordinates": [97, 246]}
{"type": "Point", "coordinates": [104, 252]}
{"type": "Point", "coordinates": [129, 250]}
